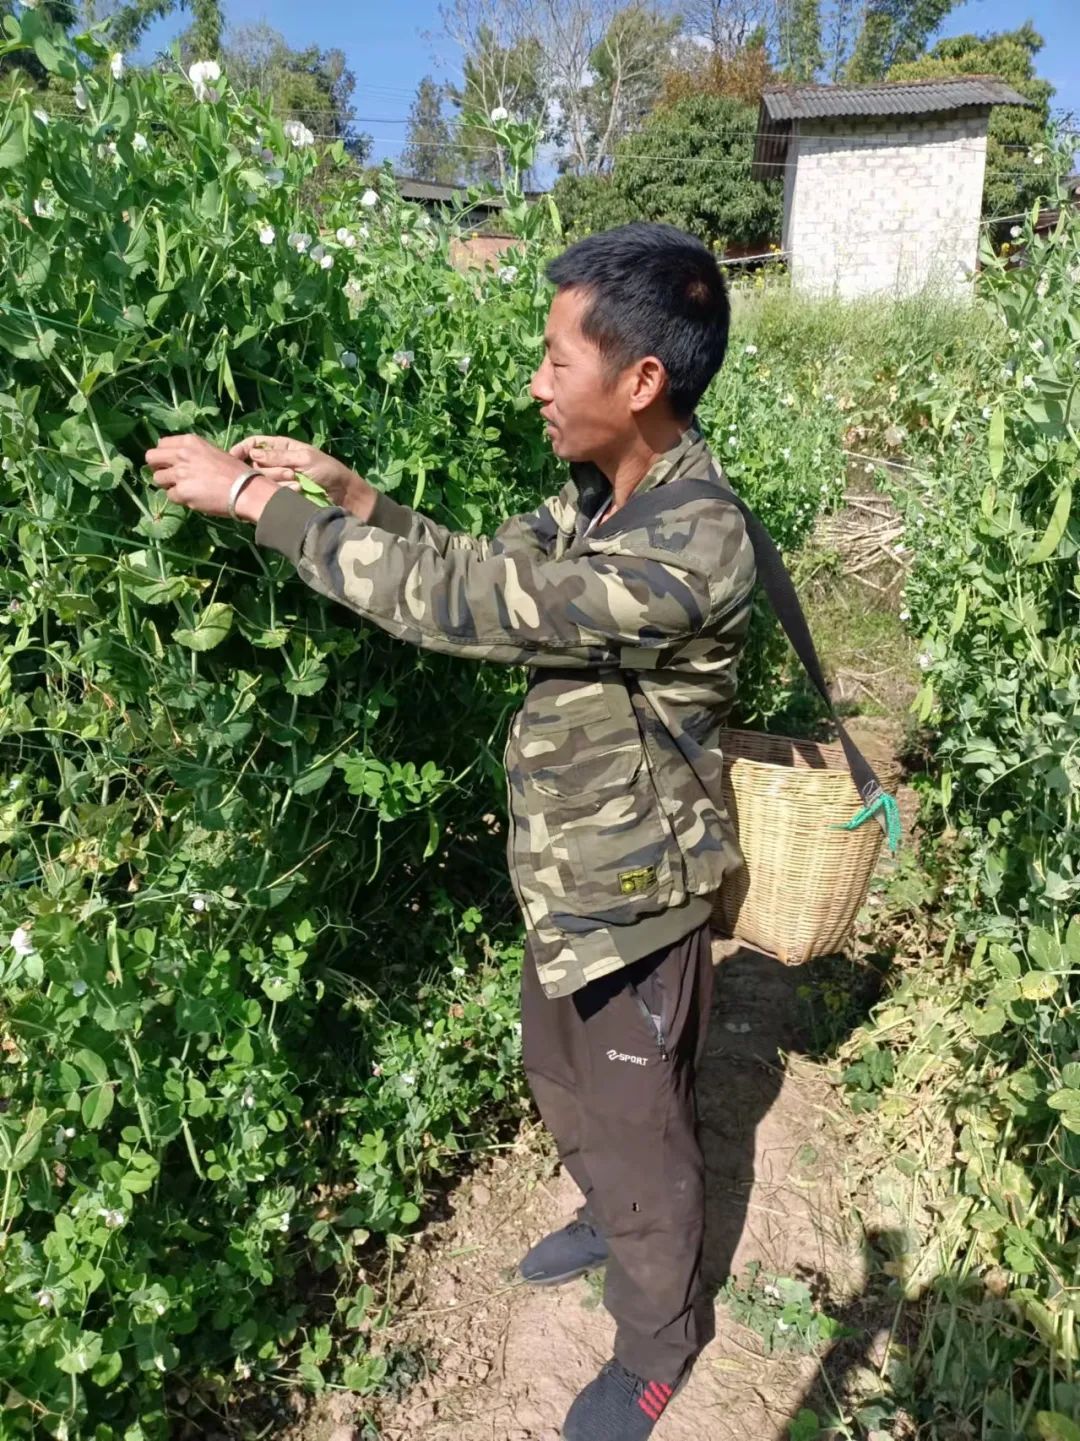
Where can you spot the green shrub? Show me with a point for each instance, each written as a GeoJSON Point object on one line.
{"type": "Point", "coordinates": [248, 1009]}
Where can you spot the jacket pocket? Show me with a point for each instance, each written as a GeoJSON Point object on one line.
{"type": "Point", "coordinates": [609, 840]}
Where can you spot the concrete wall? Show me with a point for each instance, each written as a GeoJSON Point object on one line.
{"type": "Point", "coordinates": [884, 206]}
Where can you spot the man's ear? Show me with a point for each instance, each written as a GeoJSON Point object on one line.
{"type": "Point", "coordinates": [649, 382]}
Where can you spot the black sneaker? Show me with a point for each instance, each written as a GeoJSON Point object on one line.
{"type": "Point", "coordinates": [618, 1406]}
{"type": "Point", "coordinates": [564, 1255]}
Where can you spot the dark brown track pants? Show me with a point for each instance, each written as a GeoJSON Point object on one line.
{"type": "Point", "coordinates": [612, 1070]}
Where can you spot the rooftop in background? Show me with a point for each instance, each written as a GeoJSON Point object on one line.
{"type": "Point", "coordinates": [430, 192]}
{"type": "Point", "coordinates": [911, 97]}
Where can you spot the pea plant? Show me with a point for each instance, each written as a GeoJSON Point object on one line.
{"type": "Point", "coordinates": [257, 981]}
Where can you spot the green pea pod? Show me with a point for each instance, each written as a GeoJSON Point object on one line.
{"type": "Point", "coordinates": [312, 490]}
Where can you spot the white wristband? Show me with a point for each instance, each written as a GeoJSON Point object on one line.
{"type": "Point", "coordinates": [237, 486]}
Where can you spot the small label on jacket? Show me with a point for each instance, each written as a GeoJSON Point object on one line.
{"type": "Point", "coordinates": [630, 882]}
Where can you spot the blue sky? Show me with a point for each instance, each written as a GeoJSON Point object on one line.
{"type": "Point", "coordinates": [392, 45]}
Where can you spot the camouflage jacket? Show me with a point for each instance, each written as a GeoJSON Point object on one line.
{"type": "Point", "coordinates": [618, 835]}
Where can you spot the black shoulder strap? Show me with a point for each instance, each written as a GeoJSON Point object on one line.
{"type": "Point", "coordinates": [779, 587]}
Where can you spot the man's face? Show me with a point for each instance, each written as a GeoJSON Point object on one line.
{"type": "Point", "coordinates": [588, 411]}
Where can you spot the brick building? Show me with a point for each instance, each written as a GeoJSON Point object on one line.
{"type": "Point", "coordinates": [882, 183]}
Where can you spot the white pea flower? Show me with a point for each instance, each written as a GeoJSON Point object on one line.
{"type": "Point", "coordinates": [327, 262]}
{"type": "Point", "coordinates": [202, 75]}
{"type": "Point", "coordinates": [750, 350]}
{"type": "Point", "coordinates": [786, 452]}
{"type": "Point", "coordinates": [42, 208]}
{"type": "Point", "coordinates": [44, 1300]}
{"type": "Point", "coordinates": [345, 237]}
{"type": "Point", "coordinates": [348, 359]}
{"type": "Point", "coordinates": [159, 1362]}
{"type": "Point", "coordinates": [42, 116]}
{"type": "Point", "coordinates": [1016, 232]}
{"type": "Point", "coordinates": [317, 252]}
{"type": "Point", "coordinates": [788, 400]}
{"type": "Point", "coordinates": [457, 970]}
{"type": "Point", "coordinates": [198, 903]}
{"type": "Point", "coordinates": [299, 135]}
{"type": "Point", "coordinates": [114, 1219]}
{"type": "Point", "coordinates": [404, 358]}
{"type": "Point", "coordinates": [1038, 343]}
{"type": "Point", "coordinates": [369, 199]}
{"type": "Point", "coordinates": [299, 241]}
{"type": "Point", "coordinates": [247, 1100]}
{"type": "Point", "coordinates": [363, 230]}
{"type": "Point", "coordinates": [406, 239]}
{"type": "Point", "coordinates": [116, 65]}
{"type": "Point", "coordinates": [112, 151]}
{"type": "Point", "coordinates": [20, 942]}
{"type": "Point", "coordinates": [243, 1370]}
{"type": "Point", "coordinates": [159, 1308]}
{"type": "Point", "coordinates": [987, 412]}
{"type": "Point", "coordinates": [926, 660]}
{"type": "Point", "coordinates": [905, 615]}
{"type": "Point", "coordinates": [376, 1070]}
{"type": "Point", "coordinates": [463, 365]}
{"type": "Point", "coordinates": [78, 988]}
{"type": "Point", "coordinates": [69, 1132]}
{"type": "Point", "coordinates": [139, 142]}
{"type": "Point", "coordinates": [1029, 382]}
{"type": "Point", "coordinates": [499, 114]}
{"type": "Point", "coordinates": [828, 397]}
{"type": "Point", "coordinates": [267, 234]}
{"type": "Point", "coordinates": [1038, 160]}
{"type": "Point", "coordinates": [408, 1079]}
{"type": "Point", "coordinates": [508, 274]}
{"type": "Point", "coordinates": [283, 1225]}
{"type": "Point", "coordinates": [82, 100]}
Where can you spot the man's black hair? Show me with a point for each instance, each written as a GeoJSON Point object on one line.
{"type": "Point", "coordinates": [654, 290]}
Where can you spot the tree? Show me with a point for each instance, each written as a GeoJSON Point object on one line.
{"type": "Point", "coordinates": [498, 74]}
{"type": "Point", "coordinates": [690, 165]}
{"type": "Point", "coordinates": [894, 32]}
{"type": "Point", "coordinates": [311, 85]}
{"type": "Point", "coordinates": [727, 26]}
{"type": "Point", "coordinates": [738, 75]}
{"type": "Point", "coordinates": [26, 68]}
{"type": "Point", "coordinates": [587, 70]}
{"type": "Point", "coordinates": [799, 45]}
{"type": "Point", "coordinates": [429, 153]}
{"type": "Point", "coordinates": [1013, 181]}
{"type": "Point", "coordinates": [130, 22]}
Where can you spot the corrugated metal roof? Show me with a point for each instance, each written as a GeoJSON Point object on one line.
{"type": "Point", "coordinates": [430, 190]}
{"type": "Point", "coordinates": [918, 97]}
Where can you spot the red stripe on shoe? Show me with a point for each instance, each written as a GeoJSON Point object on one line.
{"type": "Point", "coordinates": [649, 1406]}
{"type": "Point", "coordinates": [663, 1390]}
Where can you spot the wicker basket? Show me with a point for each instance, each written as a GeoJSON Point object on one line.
{"type": "Point", "coordinates": [803, 883]}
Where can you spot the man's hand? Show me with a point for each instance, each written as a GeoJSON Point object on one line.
{"type": "Point", "coordinates": [194, 473]}
{"type": "Point", "coordinates": [279, 458]}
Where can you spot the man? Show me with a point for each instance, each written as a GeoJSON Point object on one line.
{"type": "Point", "coordinates": [628, 596]}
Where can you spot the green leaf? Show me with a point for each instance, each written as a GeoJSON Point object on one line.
{"type": "Point", "coordinates": [211, 628]}
{"type": "Point", "coordinates": [49, 56]}
{"type": "Point", "coordinates": [1038, 986]}
{"type": "Point", "coordinates": [12, 147]}
{"type": "Point", "coordinates": [986, 1022]}
{"type": "Point", "coordinates": [1043, 949]}
{"type": "Point", "coordinates": [15, 1157]}
{"type": "Point", "coordinates": [1066, 1099]}
{"type": "Point", "coordinates": [1051, 538]}
{"type": "Point", "coordinates": [91, 1065]}
{"type": "Point", "coordinates": [1053, 1426]}
{"type": "Point", "coordinates": [997, 442]}
{"type": "Point", "coordinates": [97, 1107]}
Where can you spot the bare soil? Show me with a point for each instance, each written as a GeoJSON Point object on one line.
{"type": "Point", "coordinates": [502, 1362]}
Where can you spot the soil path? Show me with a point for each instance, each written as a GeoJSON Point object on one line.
{"type": "Point", "coordinates": [505, 1361]}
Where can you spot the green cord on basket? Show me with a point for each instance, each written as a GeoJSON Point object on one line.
{"type": "Point", "coordinates": [894, 832]}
